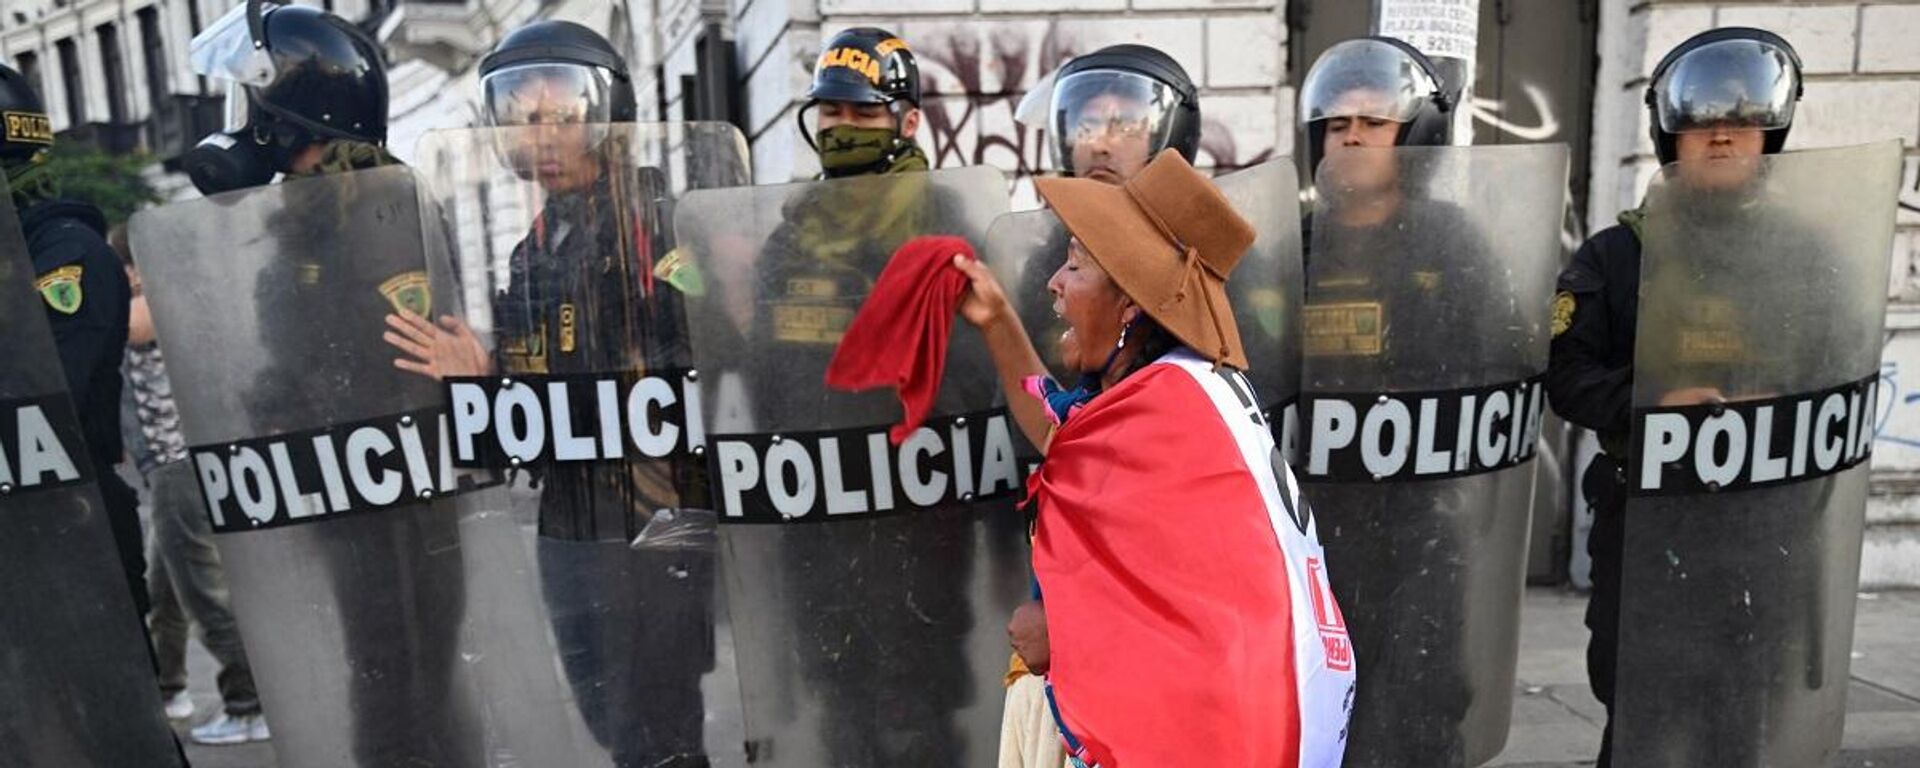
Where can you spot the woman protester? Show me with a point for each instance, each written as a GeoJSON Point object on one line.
{"type": "Point", "coordinates": [1182, 571]}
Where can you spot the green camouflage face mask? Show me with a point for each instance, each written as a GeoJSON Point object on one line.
{"type": "Point", "coordinates": [847, 150]}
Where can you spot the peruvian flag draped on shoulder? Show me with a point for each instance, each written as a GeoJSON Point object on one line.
{"type": "Point", "coordinates": [1187, 602]}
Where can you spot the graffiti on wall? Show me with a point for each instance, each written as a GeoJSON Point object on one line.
{"type": "Point", "coordinates": [1494, 114]}
{"type": "Point", "coordinates": [956, 122]}
{"type": "Point", "coordinates": [1896, 426]}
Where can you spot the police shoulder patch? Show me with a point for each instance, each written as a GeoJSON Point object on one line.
{"type": "Point", "coordinates": [1563, 304]}
{"type": "Point", "coordinates": [61, 289]}
{"type": "Point", "coordinates": [409, 291]}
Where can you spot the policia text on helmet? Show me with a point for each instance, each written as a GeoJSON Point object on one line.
{"type": "Point", "coordinates": [1374, 92]}
{"type": "Point", "coordinates": [26, 135]}
{"type": "Point", "coordinates": [1112, 111]}
{"type": "Point", "coordinates": [297, 77]}
{"type": "Point", "coordinates": [863, 108]}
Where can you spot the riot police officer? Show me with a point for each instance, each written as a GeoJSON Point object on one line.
{"type": "Point", "coordinates": [863, 108]}
{"type": "Point", "coordinates": [633, 623]}
{"type": "Point", "coordinates": [861, 118]}
{"type": "Point", "coordinates": [307, 97]}
{"type": "Point", "coordinates": [75, 654]}
{"type": "Point", "coordinates": [1723, 94]}
{"type": "Point", "coordinates": [87, 296]}
{"type": "Point", "coordinates": [1405, 293]}
{"type": "Point", "coordinates": [1375, 93]}
{"type": "Point", "coordinates": [306, 94]}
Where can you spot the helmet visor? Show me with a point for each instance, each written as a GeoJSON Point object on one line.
{"type": "Point", "coordinates": [548, 93]}
{"type": "Point", "coordinates": [1365, 78]}
{"type": "Point", "coordinates": [1728, 84]}
{"type": "Point", "coordinates": [225, 50]}
{"type": "Point", "coordinates": [1109, 119]}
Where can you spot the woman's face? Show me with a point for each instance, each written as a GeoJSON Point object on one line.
{"type": "Point", "coordinates": [1093, 307]}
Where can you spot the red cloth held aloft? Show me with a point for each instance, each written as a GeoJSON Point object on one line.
{"type": "Point", "coordinates": [899, 338]}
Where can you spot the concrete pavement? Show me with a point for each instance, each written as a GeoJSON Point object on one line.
{"type": "Point", "coordinates": [1556, 722]}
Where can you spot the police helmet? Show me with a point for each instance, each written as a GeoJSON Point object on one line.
{"type": "Point", "coordinates": [1377, 77]}
{"type": "Point", "coordinates": [26, 130]}
{"type": "Point", "coordinates": [1734, 76]}
{"type": "Point", "coordinates": [556, 66]}
{"type": "Point", "coordinates": [1139, 89]}
{"type": "Point", "coordinates": [298, 70]}
{"type": "Point", "coordinates": [866, 65]}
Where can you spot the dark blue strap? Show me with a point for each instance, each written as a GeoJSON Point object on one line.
{"type": "Point", "coordinates": [1077, 751]}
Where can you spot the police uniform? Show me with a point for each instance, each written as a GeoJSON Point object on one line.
{"type": "Point", "coordinates": [634, 626]}
{"type": "Point", "coordinates": [1590, 383]}
{"type": "Point", "coordinates": [86, 292]}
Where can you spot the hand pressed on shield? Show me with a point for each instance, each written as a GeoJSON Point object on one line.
{"type": "Point", "coordinates": [1693, 396]}
{"type": "Point", "coordinates": [1027, 633]}
{"type": "Point", "coordinates": [450, 349]}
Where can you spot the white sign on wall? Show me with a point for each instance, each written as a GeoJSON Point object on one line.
{"type": "Point", "coordinates": [1440, 28]}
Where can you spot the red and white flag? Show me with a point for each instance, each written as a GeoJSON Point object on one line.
{"type": "Point", "coordinates": [1188, 609]}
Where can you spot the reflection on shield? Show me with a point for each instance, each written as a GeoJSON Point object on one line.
{"type": "Point", "coordinates": [382, 593]}
{"type": "Point", "coordinates": [868, 582]}
{"type": "Point", "coordinates": [1756, 371]}
{"type": "Point", "coordinates": [76, 676]}
{"type": "Point", "coordinates": [1429, 283]}
{"type": "Point", "coordinates": [562, 238]}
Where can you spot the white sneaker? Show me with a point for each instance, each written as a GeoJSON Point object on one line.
{"type": "Point", "coordinates": [180, 707]}
{"type": "Point", "coordinates": [226, 730]}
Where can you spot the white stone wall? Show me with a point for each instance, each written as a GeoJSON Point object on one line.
{"type": "Point", "coordinates": [979, 56]}
{"type": "Point", "coordinates": [1862, 84]}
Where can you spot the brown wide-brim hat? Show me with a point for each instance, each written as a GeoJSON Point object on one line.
{"type": "Point", "coordinates": [1169, 239]}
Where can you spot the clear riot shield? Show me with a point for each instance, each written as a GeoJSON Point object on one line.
{"type": "Point", "coordinates": [868, 583]}
{"type": "Point", "coordinates": [76, 676]}
{"type": "Point", "coordinates": [1425, 333]}
{"type": "Point", "coordinates": [562, 236]}
{"type": "Point", "coordinates": [1026, 248]}
{"type": "Point", "coordinates": [1756, 373]}
{"type": "Point", "coordinates": [384, 595]}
